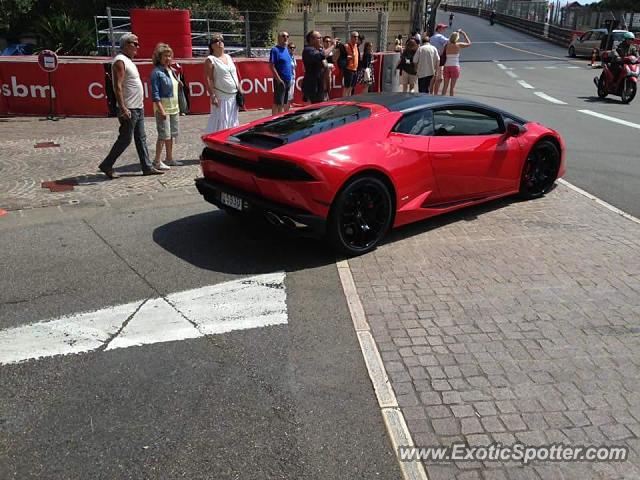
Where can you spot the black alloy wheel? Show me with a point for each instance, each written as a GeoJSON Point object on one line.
{"type": "Point", "coordinates": [628, 92]}
{"type": "Point", "coordinates": [360, 216]}
{"type": "Point", "coordinates": [540, 170]}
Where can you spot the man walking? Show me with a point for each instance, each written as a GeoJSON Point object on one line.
{"type": "Point", "coordinates": [129, 96]}
{"type": "Point", "coordinates": [438, 41]}
{"type": "Point", "coordinates": [428, 62]}
{"type": "Point", "coordinates": [349, 74]}
{"type": "Point", "coordinates": [281, 66]}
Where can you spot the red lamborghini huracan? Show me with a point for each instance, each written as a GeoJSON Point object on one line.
{"type": "Point", "coordinates": [352, 168]}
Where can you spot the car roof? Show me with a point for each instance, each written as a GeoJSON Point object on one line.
{"type": "Point", "coordinates": [406, 102]}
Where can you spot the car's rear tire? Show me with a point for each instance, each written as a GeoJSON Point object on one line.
{"type": "Point", "coordinates": [360, 216]}
{"type": "Point", "coordinates": [572, 51]}
{"type": "Point", "coordinates": [629, 89]}
{"type": "Point", "coordinates": [540, 170]}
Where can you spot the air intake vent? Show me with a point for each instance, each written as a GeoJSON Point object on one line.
{"type": "Point", "coordinates": [263, 168]}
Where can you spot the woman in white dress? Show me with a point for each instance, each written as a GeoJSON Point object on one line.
{"type": "Point", "coordinates": [292, 88]}
{"type": "Point", "coordinates": [222, 85]}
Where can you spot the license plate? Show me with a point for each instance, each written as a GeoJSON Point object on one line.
{"type": "Point", "coordinates": [231, 201]}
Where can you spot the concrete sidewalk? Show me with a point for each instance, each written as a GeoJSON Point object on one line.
{"type": "Point", "coordinates": [66, 173]}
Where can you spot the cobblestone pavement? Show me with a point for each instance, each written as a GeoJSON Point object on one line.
{"type": "Point", "coordinates": [83, 144]}
{"type": "Point", "coordinates": [516, 321]}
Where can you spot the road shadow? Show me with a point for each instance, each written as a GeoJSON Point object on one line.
{"type": "Point", "coordinates": [219, 242]}
{"type": "Point", "coordinates": [605, 100]}
{"type": "Point", "coordinates": [223, 243]}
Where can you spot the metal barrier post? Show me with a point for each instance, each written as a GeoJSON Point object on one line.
{"type": "Point", "coordinates": [382, 31]}
{"type": "Point", "coordinates": [247, 35]}
{"type": "Point", "coordinates": [112, 48]}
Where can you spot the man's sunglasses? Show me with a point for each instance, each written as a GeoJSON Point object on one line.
{"type": "Point", "coordinates": [217, 41]}
{"type": "Point", "coordinates": [135, 44]}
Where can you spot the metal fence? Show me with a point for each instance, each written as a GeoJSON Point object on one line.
{"type": "Point", "coordinates": [247, 33]}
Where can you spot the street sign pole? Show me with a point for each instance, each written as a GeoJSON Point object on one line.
{"type": "Point", "coordinates": [51, 115]}
{"type": "Point", "coordinates": [48, 62]}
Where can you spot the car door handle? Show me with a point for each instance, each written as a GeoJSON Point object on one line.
{"type": "Point", "coordinates": [442, 156]}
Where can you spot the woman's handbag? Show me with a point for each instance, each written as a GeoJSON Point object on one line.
{"type": "Point", "coordinates": [443, 57]}
{"type": "Point", "coordinates": [366, 75]}
{"type": "Point", "coordinates": [239, 95]}
{"type": "Point", "coordinates": [239, 99]}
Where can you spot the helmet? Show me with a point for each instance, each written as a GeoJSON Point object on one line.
{"type": "Point", "coordinates": [628, 36]}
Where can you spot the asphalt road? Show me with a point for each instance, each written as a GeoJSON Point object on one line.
{"type": "Point", "coordinates": [286, 401]}
{"type": "Point", "coordinates": [602, 156]}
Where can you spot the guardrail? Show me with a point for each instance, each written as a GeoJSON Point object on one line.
{"type": "Point", "coordinates": [552, 33]}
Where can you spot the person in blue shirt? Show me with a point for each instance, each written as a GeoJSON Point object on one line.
{"type": "Point", "coordinates": [439, 40]}
{"type": "Point", "coordinates": [281, 66]}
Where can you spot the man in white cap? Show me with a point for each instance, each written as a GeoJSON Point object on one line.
{"type": "Point", "coordinates": [439, 41]}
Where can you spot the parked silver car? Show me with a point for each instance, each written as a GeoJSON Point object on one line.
{"type": "Point", "coordinates": [583, 46]}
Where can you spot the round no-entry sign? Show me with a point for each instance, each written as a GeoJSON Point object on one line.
{"type": "Point", "coordinates": [48, 60]}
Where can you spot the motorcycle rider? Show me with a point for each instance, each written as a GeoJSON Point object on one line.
{"type": "Point", "coordinates": [625, 49]}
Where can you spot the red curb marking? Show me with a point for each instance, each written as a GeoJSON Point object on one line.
{"type": "Point", "coordinates": [3, 212]}
{"type": "Point", "coordinates": [60, 185]}
{"type": "Point", "coordinates": [46, 145]}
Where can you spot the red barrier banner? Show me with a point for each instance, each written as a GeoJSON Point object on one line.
{"type": "Point", "coordinates": [78, 87]}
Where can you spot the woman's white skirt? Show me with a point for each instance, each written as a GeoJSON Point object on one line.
{"type": "Point", "coordinates": [225, 115]}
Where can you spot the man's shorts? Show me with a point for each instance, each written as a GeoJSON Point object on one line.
{"type": "Point", "coordinates": [349, 78]}
{"type": "Point", "coordinates": [167, 127]}
{"type": "Point", "coordinates": [280, 92]}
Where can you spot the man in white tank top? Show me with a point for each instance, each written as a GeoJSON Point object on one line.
{"type": "Point", "coordinates": [130, 97]}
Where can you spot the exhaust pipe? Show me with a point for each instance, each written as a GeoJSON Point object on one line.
{"type": "Point", "coordinates": [291, 223]}
{"type": "Point", "coordinates": [273, 219]}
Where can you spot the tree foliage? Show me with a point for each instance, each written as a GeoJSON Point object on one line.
{"type": "Point", "coordinates": [66, 35]}
{"type": "Point", "coordinates": [14, 14]}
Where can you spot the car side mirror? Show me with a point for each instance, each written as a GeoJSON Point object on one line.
{"type": "Point", "coordinates": [514, 129]}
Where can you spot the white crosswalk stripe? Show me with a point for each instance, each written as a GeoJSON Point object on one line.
{"type": "Point", "coordinates": [252, 302]}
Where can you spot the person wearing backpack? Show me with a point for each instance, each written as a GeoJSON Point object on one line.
{"type": "Point", "coordinates": [407, 67]}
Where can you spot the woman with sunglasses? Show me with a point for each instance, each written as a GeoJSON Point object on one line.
{"type": "Point", "coordinates": [222, 84]}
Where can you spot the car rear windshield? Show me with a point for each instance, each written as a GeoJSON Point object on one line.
{"type": "Point", "coordinates": [301, 124]}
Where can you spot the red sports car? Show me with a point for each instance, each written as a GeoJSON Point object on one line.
{"type": "Point", "coordinates": [352, 168]}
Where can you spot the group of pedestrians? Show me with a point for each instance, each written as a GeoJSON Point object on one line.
{"type": "Point", "coordinates": [322, 55]}
{"type": "Point", "coordinates": [222, 85]}
{"type": "Point", "coordinates": [434, 63]}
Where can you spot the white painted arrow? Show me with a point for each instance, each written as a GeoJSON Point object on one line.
{"type": "Point", "coordinates": [237, 305]}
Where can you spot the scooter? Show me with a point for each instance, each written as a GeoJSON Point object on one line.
{"type": "Point", "coordinates": [625, 84]}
